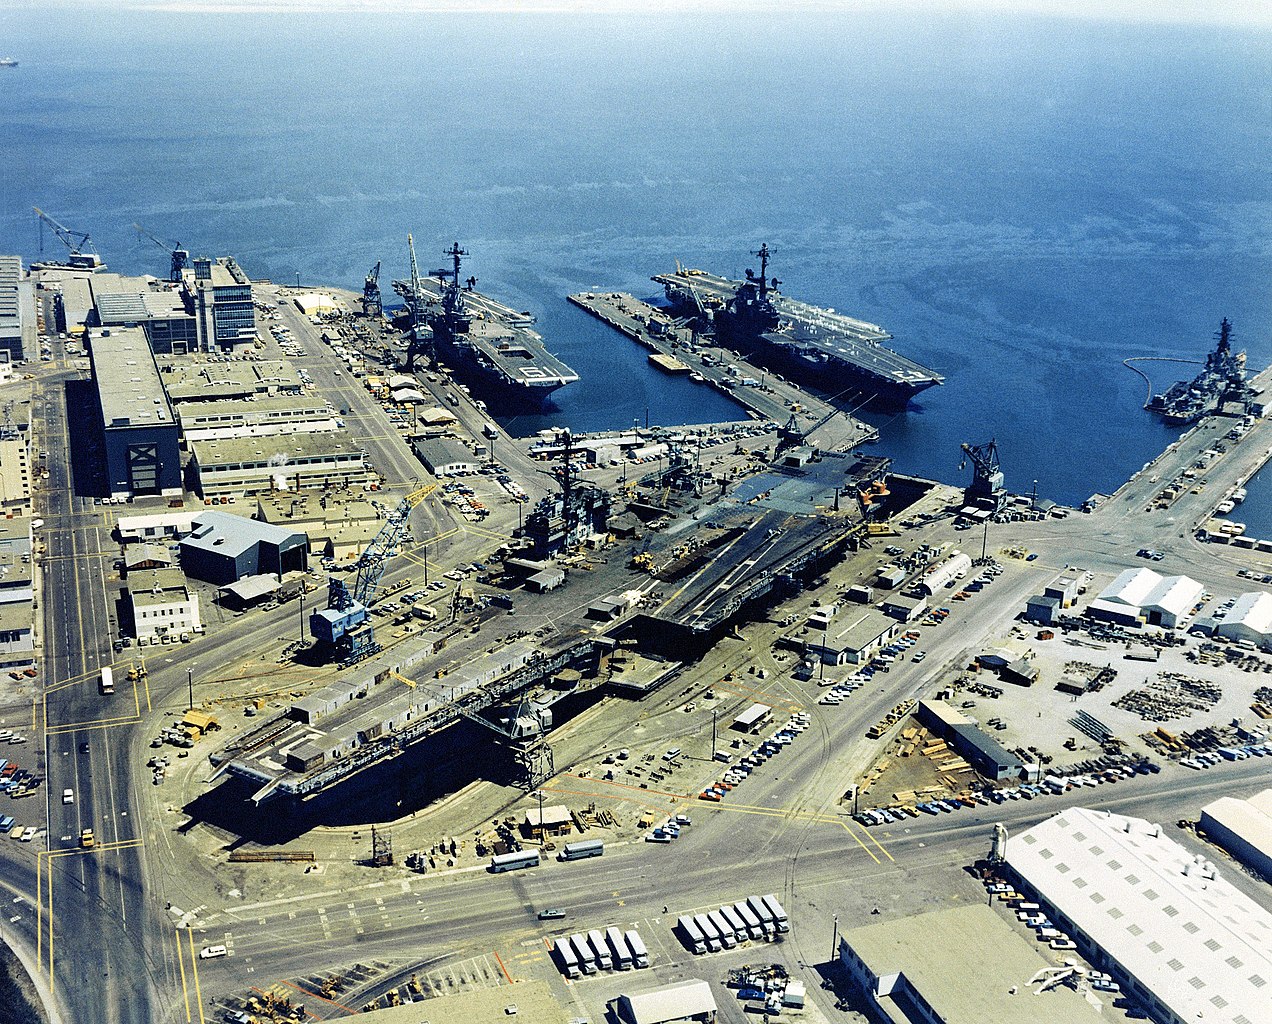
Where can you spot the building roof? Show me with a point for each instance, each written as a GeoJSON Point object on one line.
{"type": "Point", "coordinates": [676, 1002]}
{"type": "Point", "coordinates": [860, 629]}
{"type": "Point", "coordinates": [553, 816]}
{"type": "Point", "coordinates": [249, 588]}
{"type": "Point", "coordinates": [1252, 610]}
{"type": "Point", "coordinates": [282, 450]}
{"type": "Point", "coordinates": [940, 961]}
{"type": "Point", "coordinates": [17, 616]}
{"type": "Point", "coordinates": [157, 586]}
{"type": "Point", "coordinates": [227, 534]}
{"type": "Point", "coordinates": [1177, 595]}
{"type": "Point", "coordinates": [1199, 945]}
{"type": "Point", "coordinates": [1044, 600]}
{"type": "Point", "coordinates": [1250, 819]}
{"type": "Point", "coordinates": [435, 415]}
{"type": "Point", "coordinates": [216, 379]}
{"type": "Point", "coordinates": [138, 553]}
{"type": "Point", "coordinates": [1131, 587]}
{"type": "Point", "coordinates": [442, 451]}
{"type": "Point", "coordinates": [128, 382]}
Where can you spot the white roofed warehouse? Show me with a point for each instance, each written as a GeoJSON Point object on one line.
{"type": "Point", "coordinates": [1250, 618]}
{"type": "Point", "coordinates": [688, 1001]}
{"type": "Point", "coordinates": [1243, 828]}
{"type": "Point", "coordinates": [1183, 942]}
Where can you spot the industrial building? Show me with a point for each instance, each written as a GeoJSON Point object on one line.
{"type": "Point", "coordinates": [254, 417]}
{"type": "Point", "coordinates": [157, 308]}
{"type": "Point", "coordinates": [17, 607]}
{"type": "Point", "coordinates": [945, 573]}
{"type": "Point", "coordinates": [161, 604]}
{"type": "Point", "coordinates": [154, 526]}
{"type": "Point", "coordinates": [959, 966]}
{"type": "Point", "coordinates": [223, 548]}
{"type": "Point", "coordinates": [1249, 618]}
{"type": "Point", "coordinates": [446, 456]}
{"type": "Point", "coordinates": [688, 1001]}
{"type": "Point", "coordinates": [255, 465]}
{"type": "Point", "coordinates": [219, 295]}
{"type": "Point", "coordinates": [1141, 595]}
{"type": "Point", "coordinates": [142, 454]}
{"type": "Point", "coordinates": [861, 632]}
{"type": "Point", "coordinates": [1243, 828]}
{"type": "Point", "coordinates": [11, 309]}
{"type": "Point", "coordinates": [15, 472]}
{"type": "Point", "coordinates": [228, 379]}
{"type": "Point", "coordinates": [984, 753]}
{"type": "Point", "coordinates": [1182, 941]}
{"type": "Point", "coordinates": [340, 523]}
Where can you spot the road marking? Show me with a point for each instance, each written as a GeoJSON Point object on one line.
{"type": "Point", "coordinates": [499, 960]}
{"type": "Point", "coordinates": [185, 991]}
{"type": "Point", "coordinates": [870, 836]}
{"type": "Point", "coordinates": [194, 968]}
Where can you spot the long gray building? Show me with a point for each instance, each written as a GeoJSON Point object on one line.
{"type": "Point", "coordinates": [11, 319]}
{"type": "Point", "coordinates": [142, 454]}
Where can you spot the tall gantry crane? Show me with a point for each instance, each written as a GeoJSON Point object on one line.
{"type": "Point", "coordinates": [344, 627]}
{"type": "Point", "coordinates": [180, 258]}
{"type": "Point", "coordinates": [372, 303]}
{"type": "Point", "coordinates": [986, 489]}
{"type": "Point", "coordinates": [82, 256]}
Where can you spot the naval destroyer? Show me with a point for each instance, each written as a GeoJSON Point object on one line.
{"type": "Point", "coordinates": [824, 348]}
{"type": "Point", "coordinates": [479, 337]}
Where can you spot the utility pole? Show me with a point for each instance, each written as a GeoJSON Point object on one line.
{"type": "Point", "coordinates": [190, 684]}
{"type": "Point", "coordinates": [985, 542]}
{"type": "Point", "coordinates": [426, 563]}
{"type": "Point", "coordinates": [834, 939]}
{"type": "Point", "coordinates": [713, 733]}
{"type": "Point", "coordinates": [301, 602]}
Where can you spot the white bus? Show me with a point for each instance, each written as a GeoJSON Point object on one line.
{"type": "Point", "coordinates": [107, 682]}
{"type": "Point", "coordinates": [513, 861]}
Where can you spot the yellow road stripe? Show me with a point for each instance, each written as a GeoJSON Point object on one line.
{"type": "Point", "coordinates": [194, 969]}
{"type": "Point", "coordinates": [185, 991]}
{"type": "Point", "coordinates": [870, 836]}
{"type": "Point", "coordinates": [101, 723]}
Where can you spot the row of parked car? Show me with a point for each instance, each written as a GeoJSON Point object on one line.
{"type": "Point", "coordinates": [1210, 758]}
{"type": "Point", "coordinates": [738, 773]}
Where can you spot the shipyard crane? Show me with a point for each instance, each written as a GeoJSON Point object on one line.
{"type": "Point", "coordinates": [344, 627]}
{"type": "Point", "coordinates": [180, 257]}
{"type": "Point", "coordinates": [82, 256]}
{"type": "Point", "coordinates": [421, 333]}
{"type": "Point", "coordinates": [986, 489]}
{"type": "Point", "coordinates": [372, 303]}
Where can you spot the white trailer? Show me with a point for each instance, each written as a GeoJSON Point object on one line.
{"type": "Point", "coordinates": [725, 930]}
{"type": "Point", "coordinates": [618, 946]}
{"type": "Point", "coordinates": [640, 955]}
{"type": "Point", "coordinates": [779, 915]}
{"type": "Point", "coordinates": [753, 923]}
{"type": "Point", "coordinates": [692, 934]}
{"type": "Point", "coordinates": [587, 959]}
{"type": "Point", "coordinates": [597, 941]}
{"type": "Point", "coordinates": [709, 932]}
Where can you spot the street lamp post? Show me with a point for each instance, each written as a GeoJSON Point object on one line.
{"type": "Point", "coordinates": [834, 939]}
{"type": "Point", "coordinates": [190, 684]}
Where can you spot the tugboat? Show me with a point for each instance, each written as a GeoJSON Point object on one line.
{"type": "Point", "coordinates": [8, 62]}
{"type": "Point", "coordinates": [1222, 380]}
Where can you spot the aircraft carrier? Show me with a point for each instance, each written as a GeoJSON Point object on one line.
{"type": "Point", "coordinates": [824, 348]}
{"type": "Point", "coordinates": [479, 337]}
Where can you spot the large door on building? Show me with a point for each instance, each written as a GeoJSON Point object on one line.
{"type": "Point", "coordinates": [143, 468]}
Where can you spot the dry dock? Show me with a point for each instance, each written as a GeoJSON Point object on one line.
{"type": "Point", "coordinates": [765, 395]}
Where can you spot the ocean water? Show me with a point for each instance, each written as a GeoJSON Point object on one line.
{"type": "Point", "coordinates": [1022, 202]}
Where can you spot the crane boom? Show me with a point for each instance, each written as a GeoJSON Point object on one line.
{"type": "Point", "coordinates": [180, 257]}
{"type": "Point", "coordinates": [82, 257]}
{"type": "Point", "coordinates": [372, 303]}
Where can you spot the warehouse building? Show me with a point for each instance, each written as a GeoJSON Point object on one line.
{"type": "Point", "coordinates": [1243, 828]}
{"type": "Point", "coordinates": [984, 753]}
{"type": "Point", "coordinates": [12, 300]}
{"type": "Point", "coordinates": [1181, 941]}
{"type": "Point", "coordinates": [224, 548]}
{"type": "Point", "coordinates": [446, 456]}
{"type": "Point", "coordinates": [340, 523]}
{"type": "Point", "coordinates": [219, 295]}
{"type": "Point", "coordinates": [945, 573]}
{"type": "Point", "coordinates": [157, 308]}
{"type": "Point", "coordinates": [225, 380]}
{"type": "Point", "coordinates": [861, 632]}
{"type": "Point", "coordinates": [254, 417]}
{"type": "Point", "coordinates": [1249, 618]}
{"type": "Point", "coordinates": [959, 966]}
{"type": "Point", "coordinates": [689, 1001]}
{"type": "Point", "coordinates": [1141, 595]}
{"type": "Point", "coordinates": [142, 454]}
{"type": "Point", "coordinates": [256, 465]}
{"type": "Point", "coordinates": [161, 604]}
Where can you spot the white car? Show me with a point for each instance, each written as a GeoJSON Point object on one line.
{"type": "Point", "coordinates": [68, 796]}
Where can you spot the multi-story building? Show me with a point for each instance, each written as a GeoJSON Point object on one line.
{"type": "Point", "coordinates": [162, 603]}
{"type": "Point", "coordinates": [219, 295]}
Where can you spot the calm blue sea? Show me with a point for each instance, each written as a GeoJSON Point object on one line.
{"type": "Point", "coordinates": [1023, 202]}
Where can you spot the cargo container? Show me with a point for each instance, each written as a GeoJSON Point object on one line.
{"type": "Point", "coordinates": [692, 934]}
{"type": "Point", "coordinates": [736, 922]}
{"type": "Point", "coordinates": [753, 924]}
{"type": "Point", "coordinates": [567, 959]}
{"type": "Point", "coordinates": [640, 955]}
{"type": "Point", "coordinates": [761, 910]}
{"type": "Point", "coordinates": [618, 946]}
{"type": "Point", "coordinates": [779, 915]}
{"type": "Point", "coordinates": [586, 958]}
{"type": "Point", "coordinates": [710, 934]}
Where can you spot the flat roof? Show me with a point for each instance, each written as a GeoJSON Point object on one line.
{"type": "Point", "coordinates": [1198, 944]}
{"type": "Point", "coordinates": [10, 302]}
{"type": "Point", "coordinates": [1251, 819]}
{"type": "Point", "coordinates": [441, 451]}
{"type": "Point", "coordinates": [280, 450]}
{"type": "Point", "coordinates": [224, 412]}
{"type": "Point", "coordinates": [214, 379]}
{"type": "Point", "coordinates": [249, 588]}
{"type": "Point", "coordinates": [691, 998]}
{"type": "Point", "coordinates": [128, 382]}
{"type": "Point", "coordinates": [969, 966]}
{"type": "Point", "coordinates": [862, 629]}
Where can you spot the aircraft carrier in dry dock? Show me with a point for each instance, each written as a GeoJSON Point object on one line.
{"type": "Point", "coordinates": [480, 337]}
{"type": "Point", "coordinates": [819, 346]}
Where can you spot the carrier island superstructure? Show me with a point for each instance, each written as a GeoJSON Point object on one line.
{"type": "Point", "coordinates": [480, 337]}
{"type": "Point", "coordinates": [832, 351]}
